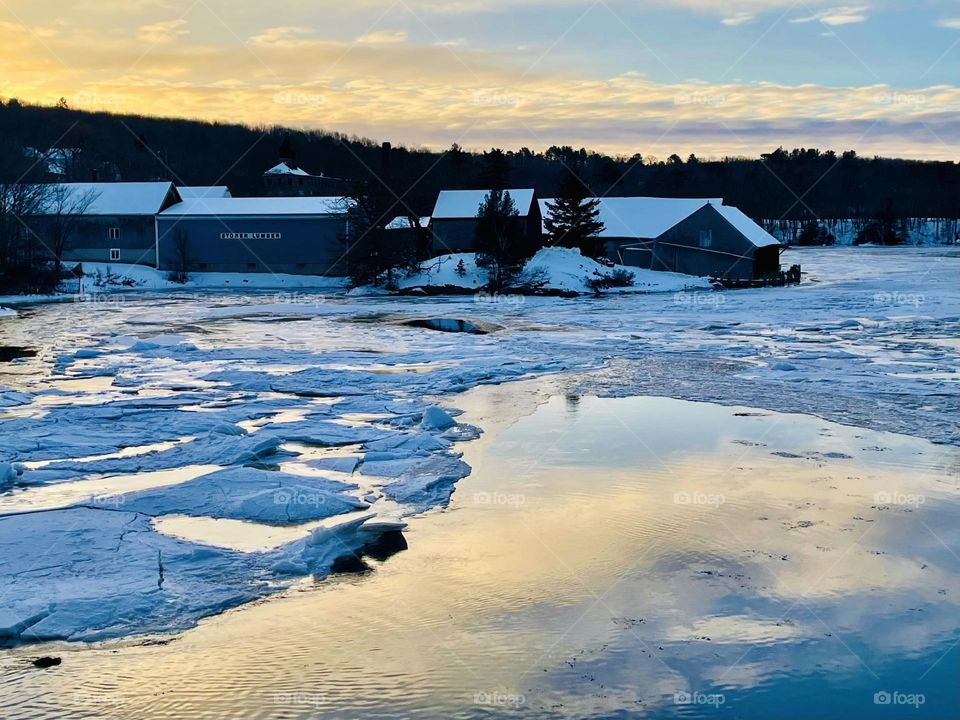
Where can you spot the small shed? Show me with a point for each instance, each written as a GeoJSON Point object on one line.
{"type": "Point", "coordinates": [454, 218]}
{"type": "Point", "coordinates": [302, 235]}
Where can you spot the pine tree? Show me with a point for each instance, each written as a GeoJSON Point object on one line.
{"type": "Point", "coordinates": [461, 269]}
{"type": "Point", "coordinates": [573, 218]}
{"type": "Point", "coordinates": [500, 241]}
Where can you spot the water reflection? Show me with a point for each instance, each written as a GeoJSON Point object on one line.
{"type": "Point", "coordinates": [607, 558]}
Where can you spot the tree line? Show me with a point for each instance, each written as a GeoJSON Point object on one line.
{"type": "Point", "coordinates": [782, 184]}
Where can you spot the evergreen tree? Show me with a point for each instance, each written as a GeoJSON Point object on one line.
{"type": "Point", "coordinates": [495, 170]}
{"type": "Point", "coordinates": [573, 219]}
{"type": "Point", "coordinates": [371, 252]}
{"type": "Point", "coordinates": [501, 243]}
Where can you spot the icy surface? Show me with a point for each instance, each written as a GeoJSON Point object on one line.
{"type": "Point", "coordinates": [326, 406]}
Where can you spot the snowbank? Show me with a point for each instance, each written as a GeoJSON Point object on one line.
{"type": "Point", "coordinates": [7, 312]}
{"type": "Point", "coordinates": [554, 269]}
{"type": "Point", "coordinates": [103, 277]}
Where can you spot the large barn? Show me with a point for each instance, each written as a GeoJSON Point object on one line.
{"type": "Point", "coordinates": [699, 236]}
{"type": "Point", "coordinates": [301, 236]}
{"type": "Point", "coordinates": [454, 219]}
{"type": "Point", "coordinates": [716, 241]}
{"type": "Point", "coordinates": [113, 222]}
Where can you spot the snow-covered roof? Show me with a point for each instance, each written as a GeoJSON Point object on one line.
{"type": "Point", "coordinates": [642, 217]}
{"type": "Point", "coordinates": [122, 198]}
{"type": "Point", "coordinates": [285, 169]}
{"type": "Point", "coordinates": [747, 227]}
{"type": "Point", "coordinates": [232, 206]}
{"type": "Point", "coordinates": [461, 204]}
{"type": "Point", "coordinates": [204, 191]}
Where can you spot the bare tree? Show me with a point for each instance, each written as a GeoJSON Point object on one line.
{"type": "Point", "coordinates": [65, 208]}
{"type": "Point", "coordinates": [181, 244]}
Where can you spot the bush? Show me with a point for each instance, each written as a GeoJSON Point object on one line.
{"type": "Point", "coordinates": [618, 278]}
{"type": "Point", "coordinates": [814, 233]}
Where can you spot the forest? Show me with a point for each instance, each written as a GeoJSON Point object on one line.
{"type": "Point", "coordinates": [792, 184]}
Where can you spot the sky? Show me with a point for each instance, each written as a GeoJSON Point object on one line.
{"type": "Point", "coordinates": [654, 77]}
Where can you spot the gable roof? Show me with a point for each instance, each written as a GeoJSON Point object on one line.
{"type": "Point", "coordinates": [746, 227]}
{"type": "Point", "coordinates": [464, 204]}
{"type": "Point", "coordinates": [642, 217]}
{"type": "Point", "coordinates": [122, 198]}
{"type": "Point", "coordinates": [231, 206]}
{"type": "Point", "coordinates": [204, 191]}
{"type": "Point", "coordinates": [283, 168]}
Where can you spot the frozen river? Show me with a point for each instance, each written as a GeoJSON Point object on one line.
{"type": "Point", "coordinates": [606, 547]}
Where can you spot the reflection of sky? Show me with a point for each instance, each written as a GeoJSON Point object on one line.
{"type": "Point", "coordinates": [587, 587]}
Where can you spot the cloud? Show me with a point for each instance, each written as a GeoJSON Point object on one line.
{"type": "Point", "coordinates": [281, 35]}
{"type": "Point", "coordinates": [160, 33]}
{"type": "Point", "coordinates": [384, 37]}
{"type": "Point", "coordinates": [738, 19]}
{"type": "Point", "coordinates": [951, 23]}
{"type": "Point", "coordinates": [845, 15]}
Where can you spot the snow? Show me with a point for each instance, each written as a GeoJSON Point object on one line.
{"type": "Point", "coordinates": [204, 191]}
{"type": "Point", "coordinates": [7, 312]}
{"type": "Point", "coordinates": [557, 269]}
{"type": "Point", "coordinates": [233, 206]}
{"type": "Point", "coordinates": [121, 198]}
{"type": "Point", "coordinates": [286, 412]}
{"type": "Point", "coordinates": [642, 217]}
{"type": "Point", "coordinates": [747, 227]}
{"type": "Point", "coordinates": [285, 169]}
{"type": "Point", "coordinates": [462, 204]}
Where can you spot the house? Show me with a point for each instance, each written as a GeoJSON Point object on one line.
{"type": "Point", "coordinates": [302, 235]}
{"type": "Point", "coordinates": [628, 220]}
{"type": "Point", "coordinates": [110, 222]}
{"type": "Point", "coordinates": [716, 241]}
{"type": "Point", "coordinates": [288, 179]}
{"type": "Point", "coordinates": [454, 219]}
{"type": "Point", "coordinates": [204, 191]}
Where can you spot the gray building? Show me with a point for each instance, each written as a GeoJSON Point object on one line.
{"type": "Point", "coordinates": [694, 236]}
{"type": "Point", "coordinates": [276, 235]}
{"type": "Point", "coordinates": [716, 241]}
{"type": "Point", "coordinates": [454, 219]}
{"type": "Point", "coordinates": [110, 222]}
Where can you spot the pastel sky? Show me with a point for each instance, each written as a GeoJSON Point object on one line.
{"type": "Point", "coordinates": [714, 77]}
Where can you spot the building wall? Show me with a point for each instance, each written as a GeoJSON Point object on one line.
{"type": "Point", "coordinates": [455, 236]}
{"type": "Point", "coordinates": [304, 186]}
{"type": "Point", "coordinates": [730, 254]}
{"type": "Point", "coordinates": [306, 246]}
{"type": "Point", "coordinates": [90, 240]}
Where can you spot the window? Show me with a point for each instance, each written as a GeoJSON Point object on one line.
{"type": "Point", "coordinates": [203, 266]}
{"type": "Point", "coordinates": [706, 238]}
{"type": "Point", "coordinates": [114, 253]}
{"type": "Point", "coordinates": [114, 233]}
{"type": "Point", "coordinates": [251, 266]}
{"type": "Point", "coordinates": [301, 266]}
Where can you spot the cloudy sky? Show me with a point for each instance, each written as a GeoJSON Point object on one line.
{"type": "Point", "coordinates": [714, 77]}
